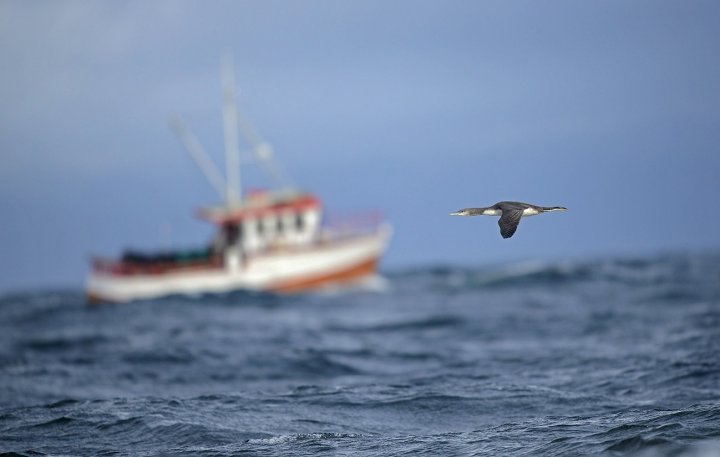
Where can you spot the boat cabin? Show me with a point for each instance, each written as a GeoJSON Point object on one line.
{"type": "Point", "coordinates": [266, 220]}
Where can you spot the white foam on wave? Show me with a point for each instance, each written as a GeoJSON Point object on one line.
{"type": "Point", "coordinates": [281, 439]}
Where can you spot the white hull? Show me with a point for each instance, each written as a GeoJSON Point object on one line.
{"type": "Point", "coordinates": [289, 270]}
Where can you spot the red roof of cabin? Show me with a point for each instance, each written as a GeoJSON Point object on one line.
{"type": "Point", "coordinates": [260, 204]}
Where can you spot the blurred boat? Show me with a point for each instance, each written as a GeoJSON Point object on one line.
{"type": "Point", "coordinates": [270, 241]}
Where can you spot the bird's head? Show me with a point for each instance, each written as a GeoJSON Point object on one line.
{"type": "Point", "coordinates": [461, 212]}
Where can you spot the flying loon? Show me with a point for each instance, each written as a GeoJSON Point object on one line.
{"type": "Point", "coordinates": [509, 212]}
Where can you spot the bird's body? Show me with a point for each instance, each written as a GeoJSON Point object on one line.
{"type": "Point", "coordinates": [510, 214]}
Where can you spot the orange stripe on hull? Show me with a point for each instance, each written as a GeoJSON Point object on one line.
{"type": "Point", "coordinates": [95, 299]}
{"type": "Point", "coordinates": [360, 270]}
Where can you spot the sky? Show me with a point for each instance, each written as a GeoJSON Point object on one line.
{"type": "Point", "coordinates": [414, 108]}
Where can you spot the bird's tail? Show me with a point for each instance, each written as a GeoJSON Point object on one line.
{"type": "Point", "coordinates": [553, 208]}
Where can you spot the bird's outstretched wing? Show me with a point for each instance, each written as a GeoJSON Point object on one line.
{"type": "Point", "coordinates": [509, 222]}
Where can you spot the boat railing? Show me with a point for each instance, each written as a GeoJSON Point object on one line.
{"type": "Point", "coordinates": [338, 225]}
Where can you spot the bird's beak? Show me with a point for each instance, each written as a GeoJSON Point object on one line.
{"type": "Point", "coordinates": [456, 213]}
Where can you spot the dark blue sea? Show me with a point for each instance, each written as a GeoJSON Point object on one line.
{"type": "Point", "coordinates": [598, 357]}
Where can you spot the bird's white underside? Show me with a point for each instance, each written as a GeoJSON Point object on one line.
{"type": "Point", "coordinates": [498, 212]}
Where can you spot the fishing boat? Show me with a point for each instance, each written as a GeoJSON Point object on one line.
{"type": "Point", "coordinates": [276, 240]}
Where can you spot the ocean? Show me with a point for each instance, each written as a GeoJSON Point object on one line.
{"type": "Point", "coordinates": [585, 357]}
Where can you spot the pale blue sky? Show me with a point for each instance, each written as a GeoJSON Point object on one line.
{"type": "Point", "coordinates": [417, 108]}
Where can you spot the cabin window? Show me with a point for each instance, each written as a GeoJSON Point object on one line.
{"type": "Point", "coordinates": [259, 227]}
{"type": "Point", "coordinates": [279, 225]}
{"type": "Point", "coordinates": [299, 222]}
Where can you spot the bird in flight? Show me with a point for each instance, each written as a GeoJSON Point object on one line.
{"type": "Point", "coordinates": [510, 214]}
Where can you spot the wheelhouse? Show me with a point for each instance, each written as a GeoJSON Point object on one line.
{"type": "Point", "coordinates": [266, 220]}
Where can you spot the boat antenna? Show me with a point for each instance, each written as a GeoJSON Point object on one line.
{"type": "Point", "coordinates": [264, 153]}
{"type": "Point", "coordinates": [201, 158]}
{"type": "Point", "coordinates": [230, 122]}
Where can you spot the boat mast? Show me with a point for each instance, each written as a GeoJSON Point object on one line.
{"type": "Point", "coordinates": [230, 122]}
{"type": "Point", "coordinates": [234, 123]}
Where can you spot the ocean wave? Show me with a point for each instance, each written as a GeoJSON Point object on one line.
{"type": "Point", "coordinates": [302, 438]}
{"type": "Point", "coordinates": [662, 271]}
{"type": "Point", "coordinates": [306, 363]}
{"type": "Point", "coordinates": [162, 426]}
{"type": "Point", "coordinates": [156, 356]}
{"type": "Point", "coordinates": [64, 342]}
{"type": "Point", "coordinates": [31, 309]}
{"type": "Point", "coordinates": [430, 322]}
{"type": "Point", "coordinates": [318, 364]}
{"type": "Point", "coordinates": [28, 453]}
{"type": "Point", "coordinates": [62, 403]}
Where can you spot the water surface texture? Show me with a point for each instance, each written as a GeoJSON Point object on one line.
{"type": "Point", "coordinates": [612, 357]}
